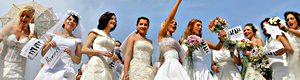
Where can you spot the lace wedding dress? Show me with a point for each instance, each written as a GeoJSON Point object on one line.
{"type": "Point", "coordinates": [140, 68]}
{"type": "Point", "coordinates": [171, 69]}
{"type": "Point", "coordinates": [98, 67]}
{"type": "Point", "coordinates": [14, 63]}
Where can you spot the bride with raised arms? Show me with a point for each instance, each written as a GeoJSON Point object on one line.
{"type": "Point", "coordinates": [170, 68]}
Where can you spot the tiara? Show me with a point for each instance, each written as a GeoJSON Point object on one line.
{"type": "Point", "coordinates": [71, 12]}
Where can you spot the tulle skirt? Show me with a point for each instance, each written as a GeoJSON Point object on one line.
{"type": "Point", "coordinates": [171, 69]}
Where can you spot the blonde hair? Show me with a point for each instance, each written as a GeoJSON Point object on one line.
{"type": "Point", "coordinates": [30, 8]}
{"type": "Point", "coordinates": [189, 28]}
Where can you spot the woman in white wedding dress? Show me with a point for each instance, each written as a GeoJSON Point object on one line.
{"type": "Point", "coordinates": [170, 68]}
{"type": "Point", "coordinates": [98, 67]}
{"type": "Point", "coordinates": [252, 34]}
{"type": "Point", "coordinates": [293, 35]}
{"type": "Point", "coordinates": [280, 45]}
{"type": "Point", "coordinates": [139, 49]}
{"type": "Point", "coordinates": [225, 61]}
{"type": "Point", "coordinates": [14, 35]}
{"type": "Point", "coordinates": [69, 41]}
{"type": "Point", "coordinates": [199, 70]}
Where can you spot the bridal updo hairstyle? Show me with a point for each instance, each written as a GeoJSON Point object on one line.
{"type": "Point", "coordinates": [104, 20]}
{"type": "Point", "coordinates": [75, 17]}
{"type": "Point", "coordinates": [252, 27]}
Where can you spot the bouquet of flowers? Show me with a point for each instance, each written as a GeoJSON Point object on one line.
{"type": "Point", "coordinates": [274, 21]}
{"type": "Point", "coordinates": [230, 43]}
{"type": "Point", "coordinates": [193, 43]}
{"type": "Point", "coordinates": [245, 44]}
{"type": "Point", "coordinates": [260, 62]}
{"type": "Point", "coordinates": [217, 25]}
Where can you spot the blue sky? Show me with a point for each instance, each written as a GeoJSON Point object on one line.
{"type": "Point", "coordinates": [237, 12]}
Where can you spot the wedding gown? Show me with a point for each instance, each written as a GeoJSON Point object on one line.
{"type": "Point", "coordinates": [293, 59]}
{"type": "Point", "coordinates": [64, 68]}
{"type": "Point", "coordinates": [278, 63]}
{"type": "Point", "coordinates": [14, 63]}
{"type": "Point", "coordinates": [226, 64]}
{"type": "Point", "coordinates": [98, 67]}
{"type": "Point", "coordinates": [201, 71]}
{"type": "Point", "coordinates": [171, 69]}
{"type": "Point", "coordinates": [140, 68]}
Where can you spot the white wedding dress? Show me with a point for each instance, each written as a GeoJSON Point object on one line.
{"type": "Point", "coordinates": [140, 68]}
{"type": "Point", "coordinates": [201, 71]}
{"type": "Point", "coordinates": [98, 67]}
{"type": "Point", "coordinates": [64, 68]}
{"type": "Point", "coordinates": [14, 63]}
{"type": "Point", "coordinates": [226, 64]}
{"type": "Point", "coordinates": [171, 69]}
{"type": "Point", "coordinates": [293, 59]}
{"type": "Point", "coordinates": [278, 63]}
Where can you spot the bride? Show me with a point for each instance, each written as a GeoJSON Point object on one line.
{"type": "Point", "coordinates": [103, 45]}
{"type": "Point", "coordinates": [170, 68]}
{"type": "Point", "coordinates": [198, 71]}
{"type": "Point", "coordinates": [137, 62]}
{"type": "Point", "coordinates": [69, 39]}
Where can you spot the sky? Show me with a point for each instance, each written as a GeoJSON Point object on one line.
{"type": "Point", "coordinates": [236, 12]}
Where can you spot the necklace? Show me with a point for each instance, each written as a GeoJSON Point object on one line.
{"type": "Point", "coordinates": [67, 35]}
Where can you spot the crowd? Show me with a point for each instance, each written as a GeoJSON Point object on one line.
{"type": "Point", "coordinates": [177, 60]}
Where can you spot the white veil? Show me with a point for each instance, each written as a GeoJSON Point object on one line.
{"type": "Point", "coordinates": [77, 32]}
{"type": "Point", "coordinates": [123, 46]}
{"type": "Point", "coordinates": [258, 34]}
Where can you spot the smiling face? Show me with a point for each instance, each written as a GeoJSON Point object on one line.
{"type": "Point", "coordinates": [142, 26]}
{"type": "Point", "coordinates": [197, 28]}
{"type": "Point", "coordinates": [112, 22]}
{"type": "Point", "coordinates": [291, 21]}
{"type": "Point", "coordinates": [248, 32]}
{"type": "Point", "coordinates": [25, 18]}
{"type": "Point", "coordinates": [172, 26]}
{"type": "Point", "coordinates": [70, 23]}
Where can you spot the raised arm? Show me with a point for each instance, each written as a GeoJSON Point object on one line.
{"type": "Point", "coordinates": [287, 47]}
{"type": "Point", "coordinates": [163, 31]}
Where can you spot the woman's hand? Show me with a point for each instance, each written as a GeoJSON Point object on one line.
{"type": "Point", "coordinates": [115, 57]}
{"type": "Point", "coordinates": [282, 26]}
{"type": "Point", "coordinates": [31, 36]}
{"type": "Point", "coordinates": [215, 68]}
{"type": "Point", "coordinates": [52, 43]}
{"type": "Point", "coordinates": [221, 35]}
{"type": "Point", "coordinates": [106, 53]}
{"type": "Point", "coordinates": [125, 76]}
{"type": "Point", "coordinates": [231, 49]}
{"type": "Point", "coordinates": [69, 51]}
